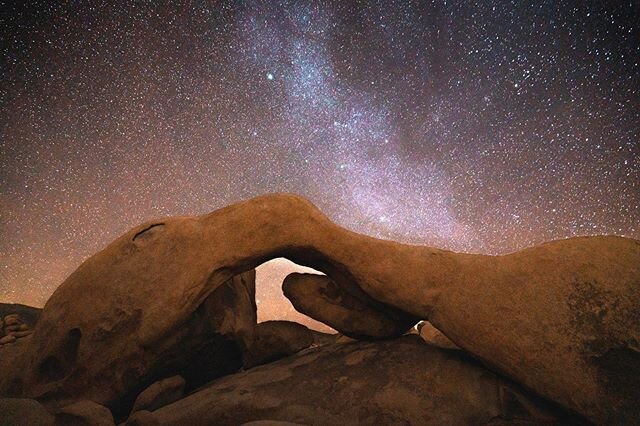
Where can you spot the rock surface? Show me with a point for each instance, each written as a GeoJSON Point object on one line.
{"type": "Point", "coordinates": [561, 318]}
{"type": "Point", "coordinates": [434, 337]}
{"type": "Point", "coordinates": [23, 412]}
{"type": "Point", "coordinates": [160, 394]}
{"type": "Point", "coordinates": [278, 339]}
{"type": "Point", "coordinates": [320, 298]}
{"type": "Point", "coordinates": [14, 325]}
{"type": "Point", "coordinates": [143, 418]}
{"type": "Point", "coordinates": [395, 382]}
{"type": "Point", "coordinates": [84, 413]}
{"type": "Point", "coordinates": [28, 314]}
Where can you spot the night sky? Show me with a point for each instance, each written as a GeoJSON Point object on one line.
{"type": "Point", "coordinates": [472, 127]}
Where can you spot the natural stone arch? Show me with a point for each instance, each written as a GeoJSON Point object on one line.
{"type": "Point", "coordinates": [528, 314]}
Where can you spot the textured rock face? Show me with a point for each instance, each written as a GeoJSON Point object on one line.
{"type": "Point", "coordinates": [561, 318]}
{"type": "Point", "coordinates": [28, 314]}
{"type": "Point", "coordinates": [395, 382]}
{"type": "Point", "coordinates": [159, 394]}
{"type": "Point", "coordinates": [434, 337]}
{"type": "Point", "coordinates": [320, 298]}
{"type": "Point", "coordinates": [84, 413]}
{"type": "Point", "coordinates": [278, 339]}
{"type": "Point", "coordinates": [23, 412]}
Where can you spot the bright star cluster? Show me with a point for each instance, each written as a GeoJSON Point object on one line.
{"type": "Point", "coordinates": [472, 126]}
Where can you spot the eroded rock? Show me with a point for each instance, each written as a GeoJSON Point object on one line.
{"type": "Point", "coordinates": [160, 393]}
{"type": "Point", "coordinates": [433, 336]}
{"type": "Point", "coordinates": [278, 339]}
{"type": "Point", "coordinates": [23, 412]}
{"type": "Point", "coordinates": [319, 297]}
{"type": "Point", "coordinates": [143, 418]}
{"type": "Point", "coordinates": [560, 318]}
{"type": "Point", "coordinates": [84, 413]}
{"type": "Point", "coordinates": [401, 382]}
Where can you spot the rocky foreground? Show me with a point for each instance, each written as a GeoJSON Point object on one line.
{"type": "Point", "coordinates": [160, 328]}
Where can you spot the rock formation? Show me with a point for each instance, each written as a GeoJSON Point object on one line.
{"type": "Point", "coordinates": [396, 382]}
{"type": "Point", "coordinates": [13, 327]}
{"type": "Point", "coordinates": [28, 314]}
{"type": "Point", "coordinates": [160, 394]}
{"type": "Point", "coordinates": [561, 318]}
{"type": "Point", "coordinates": [277, 339]}
{"type": "Point", "coordinates": [320, 298]}
{"type": "Point", "coordinates": [434, 337]}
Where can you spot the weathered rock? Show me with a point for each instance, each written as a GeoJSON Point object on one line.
{"type": "Point", "coordinates": [218, 334]}
{"type": "Point", "coordinates": [278, 339]}
{"type": "Point", "coordinates": [11, 320]}
{"type": "Point", "coordinates": [319, 297]}
{"type": "Point", "coordinates": [271, 423]}
{"type": "Point", "coordinates": [28, 314]}
{"type": "Point", "coordinates": [11, 328]}
{"type": "Point", "coordinates": [84, 413]}
{"type": "Point", "coordinates": [23, 412]}
{"type": "Point", "coordinates": [561, 318]}
{"type": "Point", "coordinates": [433, 336]}
{"type": "Point", "coordinates": [9, 338]}
{"type": "Point", "coordinates": [143, 418]}
{"type": "Point", "coordinates": [160, 393]}
{"type": "Point", "coordinates": [400, 382]}
{"type": "Point", "coordinates": [20, 334]}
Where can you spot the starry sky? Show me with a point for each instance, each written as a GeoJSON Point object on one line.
{"type": "Point", "coordinates": [480, 127]}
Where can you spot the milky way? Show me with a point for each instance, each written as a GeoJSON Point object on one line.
{"type": "Point", "coordinates": [477, 128]}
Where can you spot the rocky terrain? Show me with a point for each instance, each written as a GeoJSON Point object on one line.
{"type": "Point", "coordinates": [16, 322]}
{"type": "Point", "coordinates": [160, 328]}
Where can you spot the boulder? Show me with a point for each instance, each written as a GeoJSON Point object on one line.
{"type": "Point", "coordinates": [219, 334]}
{"type": "Point", "coordinates": [320, 298]}
{"type": "Point", "coordinates": [23, 412]}
{"type": "Point", "coordinates": [433, 336]}
{"type": "Point", "coordinates": [561, 318]}
{"type": "Point", "coordinates": [143, 418]}
{"type": "Point", "coordinates": [84, 413]}
{"type": "Point", "coordinates": [399, 382]}
{"type": "Point", "coordinates": [9, 338]}
{"type": "Point", "coordinates": [278, 339]}
{"type": "Point", "coordinates": [12, 320]}
{"type": "Point", "coordinates": [159, 394]}
{"type": "Point", "coordinates": [20, 334]}
{"type": "Point", "coordinates": [27, 314]}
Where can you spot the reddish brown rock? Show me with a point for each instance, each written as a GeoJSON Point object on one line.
{"type": "Point", "coordinates": [143, 418]}
{"type": "Point", "coordinates": [11, 328]}
{"type": "Point", "coordinates": [11, 320]}
{"type": "Point", "coordinates": [84, 413]}
{"type": "Point", "coordinates": [278, 339]}
{"type": "Point", "coordinates": [23, 412]}
{"type": "Point", "coordinates": [27, 314]}
{"type": "Point", "coordinates": [19, 334]}
{"type": "Point", "coordinates": [160, 393]}
{"type": "Point", "coordinates": [319, 297]}
{"type": "Point", "coordinates": [434, 337]}
{"type": "Point", "coordinates": [561, 318]}
{"type": "Point", "coordinates": [393, 382]}
{"type": "Point", "coordinates": [9, 338]}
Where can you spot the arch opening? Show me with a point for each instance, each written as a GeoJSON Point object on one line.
{"type": "Point", "coordinates": [271, 302]}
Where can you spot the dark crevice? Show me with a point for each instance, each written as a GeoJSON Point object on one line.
{"type": "Point", "coordinates": [146, 229]}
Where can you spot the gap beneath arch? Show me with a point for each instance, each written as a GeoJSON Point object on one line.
{"type": "Point", "coordinates": [272, 305]}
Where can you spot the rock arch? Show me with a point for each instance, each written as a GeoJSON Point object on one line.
{"type": "Point", "coordinates": [528, 314]}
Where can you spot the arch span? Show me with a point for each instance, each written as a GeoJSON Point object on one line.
{"type": "Point", "coordinates": [528, 315]}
